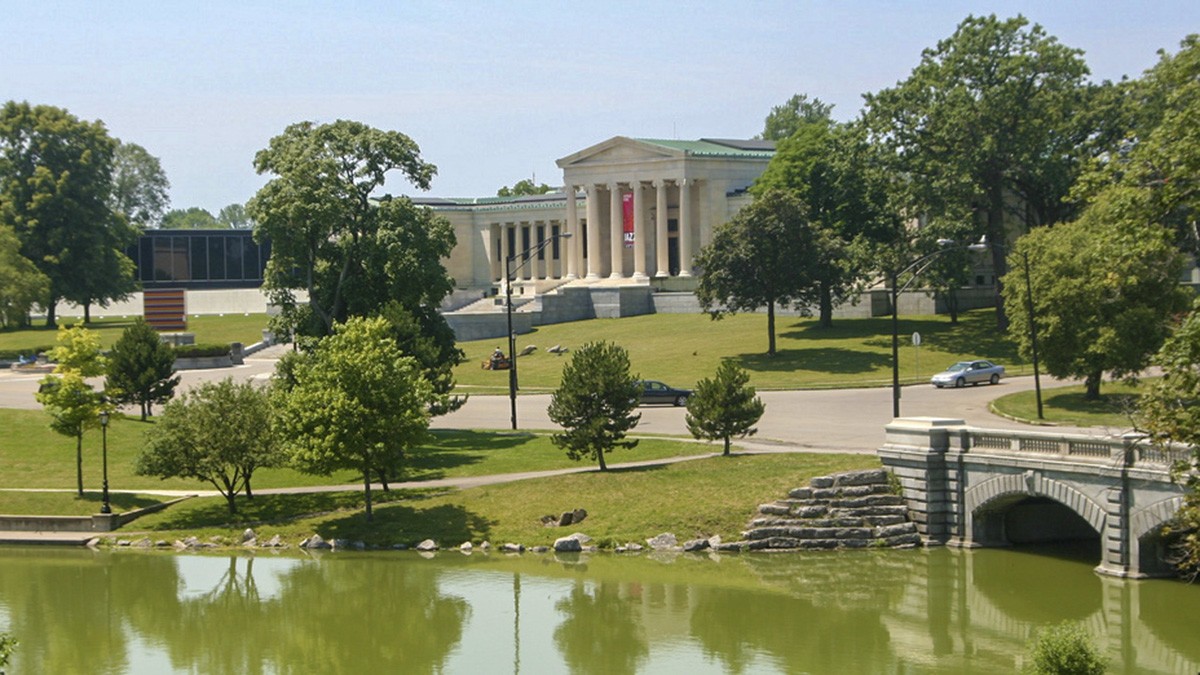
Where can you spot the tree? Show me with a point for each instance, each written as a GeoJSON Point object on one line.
{"type": "Point", "coordinates": [351, 251]}
{"type": "Point", "coordinates": [724, 406]}
{"type": "Point", "coordinates": [784, 120]}
{"type": "Point", "coordinates": [1066, 649]}
{"type": "Point", "coordinates": [55, 183]}
{"type": "Point", "coordinates": [984, 123]}
{"type": "Point", "coordinates": [234, 217]}
{"type": "Point", "coordinates": [826, 166]}
{"type": "Point", "coordinates": [72, 404]}
{"type": "Point", "coordinates": [524, 187]}
{"type": "Point", "coordinates": [220, 432]}
{"type": "Point", "coordinates": [358, 403]}
{"type": "Point", "coordinates": [595, 402]}
{"type": "Point", "coordinates": [1169, 413]}
{"type": "Point", "coordinates": [191, 218]}
{"type": "Point", "coordinates": [140, 368]}
{"type": "Point", "coordinates": [21, 284]}
{"type": "Point", "coordinates": [430, 340]}
{"type": "Point", "coordinates": [762, 258]}
{"type": "Point", "coordinates": [1103, 290]}
{"type": "Point", "coordinates": [139, 186]}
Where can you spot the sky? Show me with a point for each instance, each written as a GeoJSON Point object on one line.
{"type": "Point", "coordinates": [493, 92]}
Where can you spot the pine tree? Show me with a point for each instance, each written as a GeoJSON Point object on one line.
{"type": "Point", "coordinates": [724, 406]}
{"type": "Point", "coordinates": [595, 402]}
{"type": "Point", "coordinates": [140, 369]}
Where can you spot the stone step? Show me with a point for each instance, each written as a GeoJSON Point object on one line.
{"type": "Point", "coordinates": [808, 508]}
{"type": "Point", "coordinates": [835, 492]}
{"type": "Point", "coordinates": [841, 521]}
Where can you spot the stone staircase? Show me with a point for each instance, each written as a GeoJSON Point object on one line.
{"type": "Point", "coordinates": [856, 509]}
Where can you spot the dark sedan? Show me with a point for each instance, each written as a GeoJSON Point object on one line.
{"type": "Point", "coordinates": [657, 392]}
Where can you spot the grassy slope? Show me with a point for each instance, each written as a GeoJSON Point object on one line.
{"type": "Point", "coordinates": [1066, 405]}
{"type": "Point", "coordinates": [682, 348]}
{"type": "Point", "coordinates": [691, 499]}
{"type": "Point", "coordinates": [246, 329]}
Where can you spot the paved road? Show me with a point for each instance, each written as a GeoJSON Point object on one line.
{"type": "Point", "coordinates": [844, 420]}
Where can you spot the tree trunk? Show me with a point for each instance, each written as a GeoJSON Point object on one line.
{"type": "Point", "coordinates": [79, 461]}
{"type": "Point", "coordinates": [826, 305]}
{"type": "Point", "coordinates": [383, 479]}
{"type": "Point", "coordinates": [87, 313]}
{"type": "Point", "coordinates": [50, 320]}
{"type": "Point", "coordinates": [367, 492]}
{"type": "Point", "coordinates": [1091, 385]}
{"type": "Point", "coordinates": [771, 328]}
{"type": "Point", "coordinates": [726, 453]}
{"type": "Point", "coordinates": [145, 410]}
{"type": "Point", "coordinates": [995, 234]}
{"type": "Point", "coordinates": [600, 456]}
{"type": "Point", "coordinates": [246, 484]}
{"type": "Point", "coordinates": [229, 501]}
{"type": "Point", "coordinates": [952, 304]}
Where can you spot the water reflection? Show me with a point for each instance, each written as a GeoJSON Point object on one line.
{"type": "Point", "coordinates": [861, 612]}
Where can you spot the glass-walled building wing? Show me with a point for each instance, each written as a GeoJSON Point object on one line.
{"type": "Point", "coordinates": [199, 259]}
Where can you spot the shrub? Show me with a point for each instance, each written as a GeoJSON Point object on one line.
{"type": "Point", "coordinates": [1066, 649]}
{"type": "Point", "coordinates": [201, 350]}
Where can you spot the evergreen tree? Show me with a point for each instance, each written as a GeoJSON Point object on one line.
{"type": "Point", "coordinates": [140, 369]}
{"type": "Point", "coordinates": [724, 406]}
{"type": "Point", "coordinates": [595, 402]}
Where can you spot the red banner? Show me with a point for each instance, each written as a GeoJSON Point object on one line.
{"type": "Point", "coordinates": [627, 212]}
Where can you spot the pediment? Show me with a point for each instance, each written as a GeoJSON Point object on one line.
{"type": "Point", "coordinates": [618, 150]}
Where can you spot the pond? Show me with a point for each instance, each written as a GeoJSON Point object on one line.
{"type": "Point", "coordinates": [920, 611]}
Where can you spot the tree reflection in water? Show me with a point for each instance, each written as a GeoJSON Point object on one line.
{"type": "Point", "coordinates": [602, 632]}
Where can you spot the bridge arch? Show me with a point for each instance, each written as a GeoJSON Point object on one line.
{"type": "Point", "coordinates": [1146, 535]}
{"type": "Point", "coordinates": [983, 504]}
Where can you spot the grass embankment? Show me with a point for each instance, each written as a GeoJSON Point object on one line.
{"type": "Point", "coordinates": [699, 498]}
{"type": "Point", "coordinates": [680, 349]}
{"type": "Point", "coordinates": [246, 329]}
{"type": "Point", "coordinates": [1067, 406]}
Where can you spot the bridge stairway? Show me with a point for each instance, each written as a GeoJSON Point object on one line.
{"type": "Point", "coordinates": [855, 509]}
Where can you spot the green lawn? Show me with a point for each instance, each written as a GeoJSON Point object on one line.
{"type": "Point", "coordinates": [1066, 405]}
{"type": "Point", "coordinates": [692, 499]}
{"type": "Point", "coordinates": [33, 456]}
{"type": "Point", "coordinates": [680, 349]}
{"type": "Point", "coordinates": [67, 504]}
{"type": "Point", "coordinates": [244, 328]}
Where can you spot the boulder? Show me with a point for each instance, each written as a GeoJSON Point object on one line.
{"type": "Point", "coordinates": [466, 547]}
{"type": "Point", "coordinates": [578, 515]}
{"type": "Point", "coordinates": [248, 534]}
{"type": "Point", "coordinates": [427, 545]}
{"type": "Point", "coordinates": [567, 518]}
{"type": "Point", "coordinates": [513, 548]}
{"type": "Point", "coordinates": [695, 545]}
{"type": "Point", "coordinates": [664, 541]}
{"type": "Point", "coordinates": [567, 545]}
{"type": "Point", "coordinates": [274, 542]}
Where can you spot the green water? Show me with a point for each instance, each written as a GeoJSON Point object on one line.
{"type": "Point", "coordinates": [76, 611]}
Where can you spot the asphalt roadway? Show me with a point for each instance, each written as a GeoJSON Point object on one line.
{"type": "Point", "coordinates": [836, 420]}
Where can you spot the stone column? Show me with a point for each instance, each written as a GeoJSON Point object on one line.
{"type": "Point", "coordinates": [662, 259]}
{"type": "Point", "coordinates": [639, 232]}
{"type": "Point", "coordinates": [530, 261]}
{"type": "Point", "coordinates": [593, 233]}
{"type": "Point", "coordinates": [616, 238]}
{"type": "Point", "coordinates": [570, 245]}
{"type": "Point", "coordinates": [685, 227]}
{"type": "Point", "coordinates": [495, 258]}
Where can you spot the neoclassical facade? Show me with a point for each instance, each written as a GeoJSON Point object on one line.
{"type": "Point", "coordinates": [635, 210]}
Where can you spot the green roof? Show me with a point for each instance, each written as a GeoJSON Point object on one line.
{"type": "Point", "coordinates": [717, 148]}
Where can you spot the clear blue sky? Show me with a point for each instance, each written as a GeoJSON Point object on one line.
{"type": "Point", "coordinates": [493, 92]}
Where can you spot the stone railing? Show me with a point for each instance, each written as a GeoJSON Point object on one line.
{"type": "Point", "coordinates": [1078, 448]}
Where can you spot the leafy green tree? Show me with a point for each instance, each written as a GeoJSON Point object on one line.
{"type": "Point", "coordinates": [1066, 649]}
{"type": "Point", "coordinates": [73, 405]}
{"type": "Point", "coordinates": [430, 340]}
{"type": "Point", "coordinates": [799, 111]}
{"type": "Point", "coordinates": [234, 217]}
{"type": "Point", "coordinates": [989, 118]}
{"type": "Point", "coordinates": [55, 183]}
{"type": "Point", "coordinates": [140, 368]}
{"type": "Point", "coordinates": [21, 284]}
{"type": "Point", "coordinates": [764, 257]}
{"type": "Point", "coordinates": [827, 167]}
{"type": "Point", "coordinates": [724, 406]}
{"type": "Point", "coordinates": [8, 645]}
{"type": "Point", "coordinates": [1170, 412]}
{"type": "Point", "coordinates": [220, 432]}
{"type": "Point", "coordinates": [350, 251]}
{"type": "Point", "coordinates": [595, 402]}
{"type": "Point", "coordinates": [522, 188]}
{"type": "Point", "coordinates": [1103, 288]}
{"type": "Point", "coordinates": [191, 218]}
{"type": "Point", "coordinates": [358, 403]}
{"type": "Point", "coordinates": [139, 186]}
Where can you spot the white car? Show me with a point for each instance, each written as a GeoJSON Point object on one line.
{"type": "Point", "coordinates": [968, 372]}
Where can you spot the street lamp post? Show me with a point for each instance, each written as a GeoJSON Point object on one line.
{"type": "Point", "coordinates": [1033, 345]}
{"type": "Point", "coordinates": [104, 506]}
{"type": "Point", "coordinates": [916, 267]}
{"type": "Point", "coordinates": [509, 271]}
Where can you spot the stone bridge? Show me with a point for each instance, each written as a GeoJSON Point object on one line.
{"type": "Point", "coordinates": [967, 486]}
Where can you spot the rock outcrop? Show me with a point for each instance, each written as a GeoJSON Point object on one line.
{"type": "Point", "coordinates": [856, 509]}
